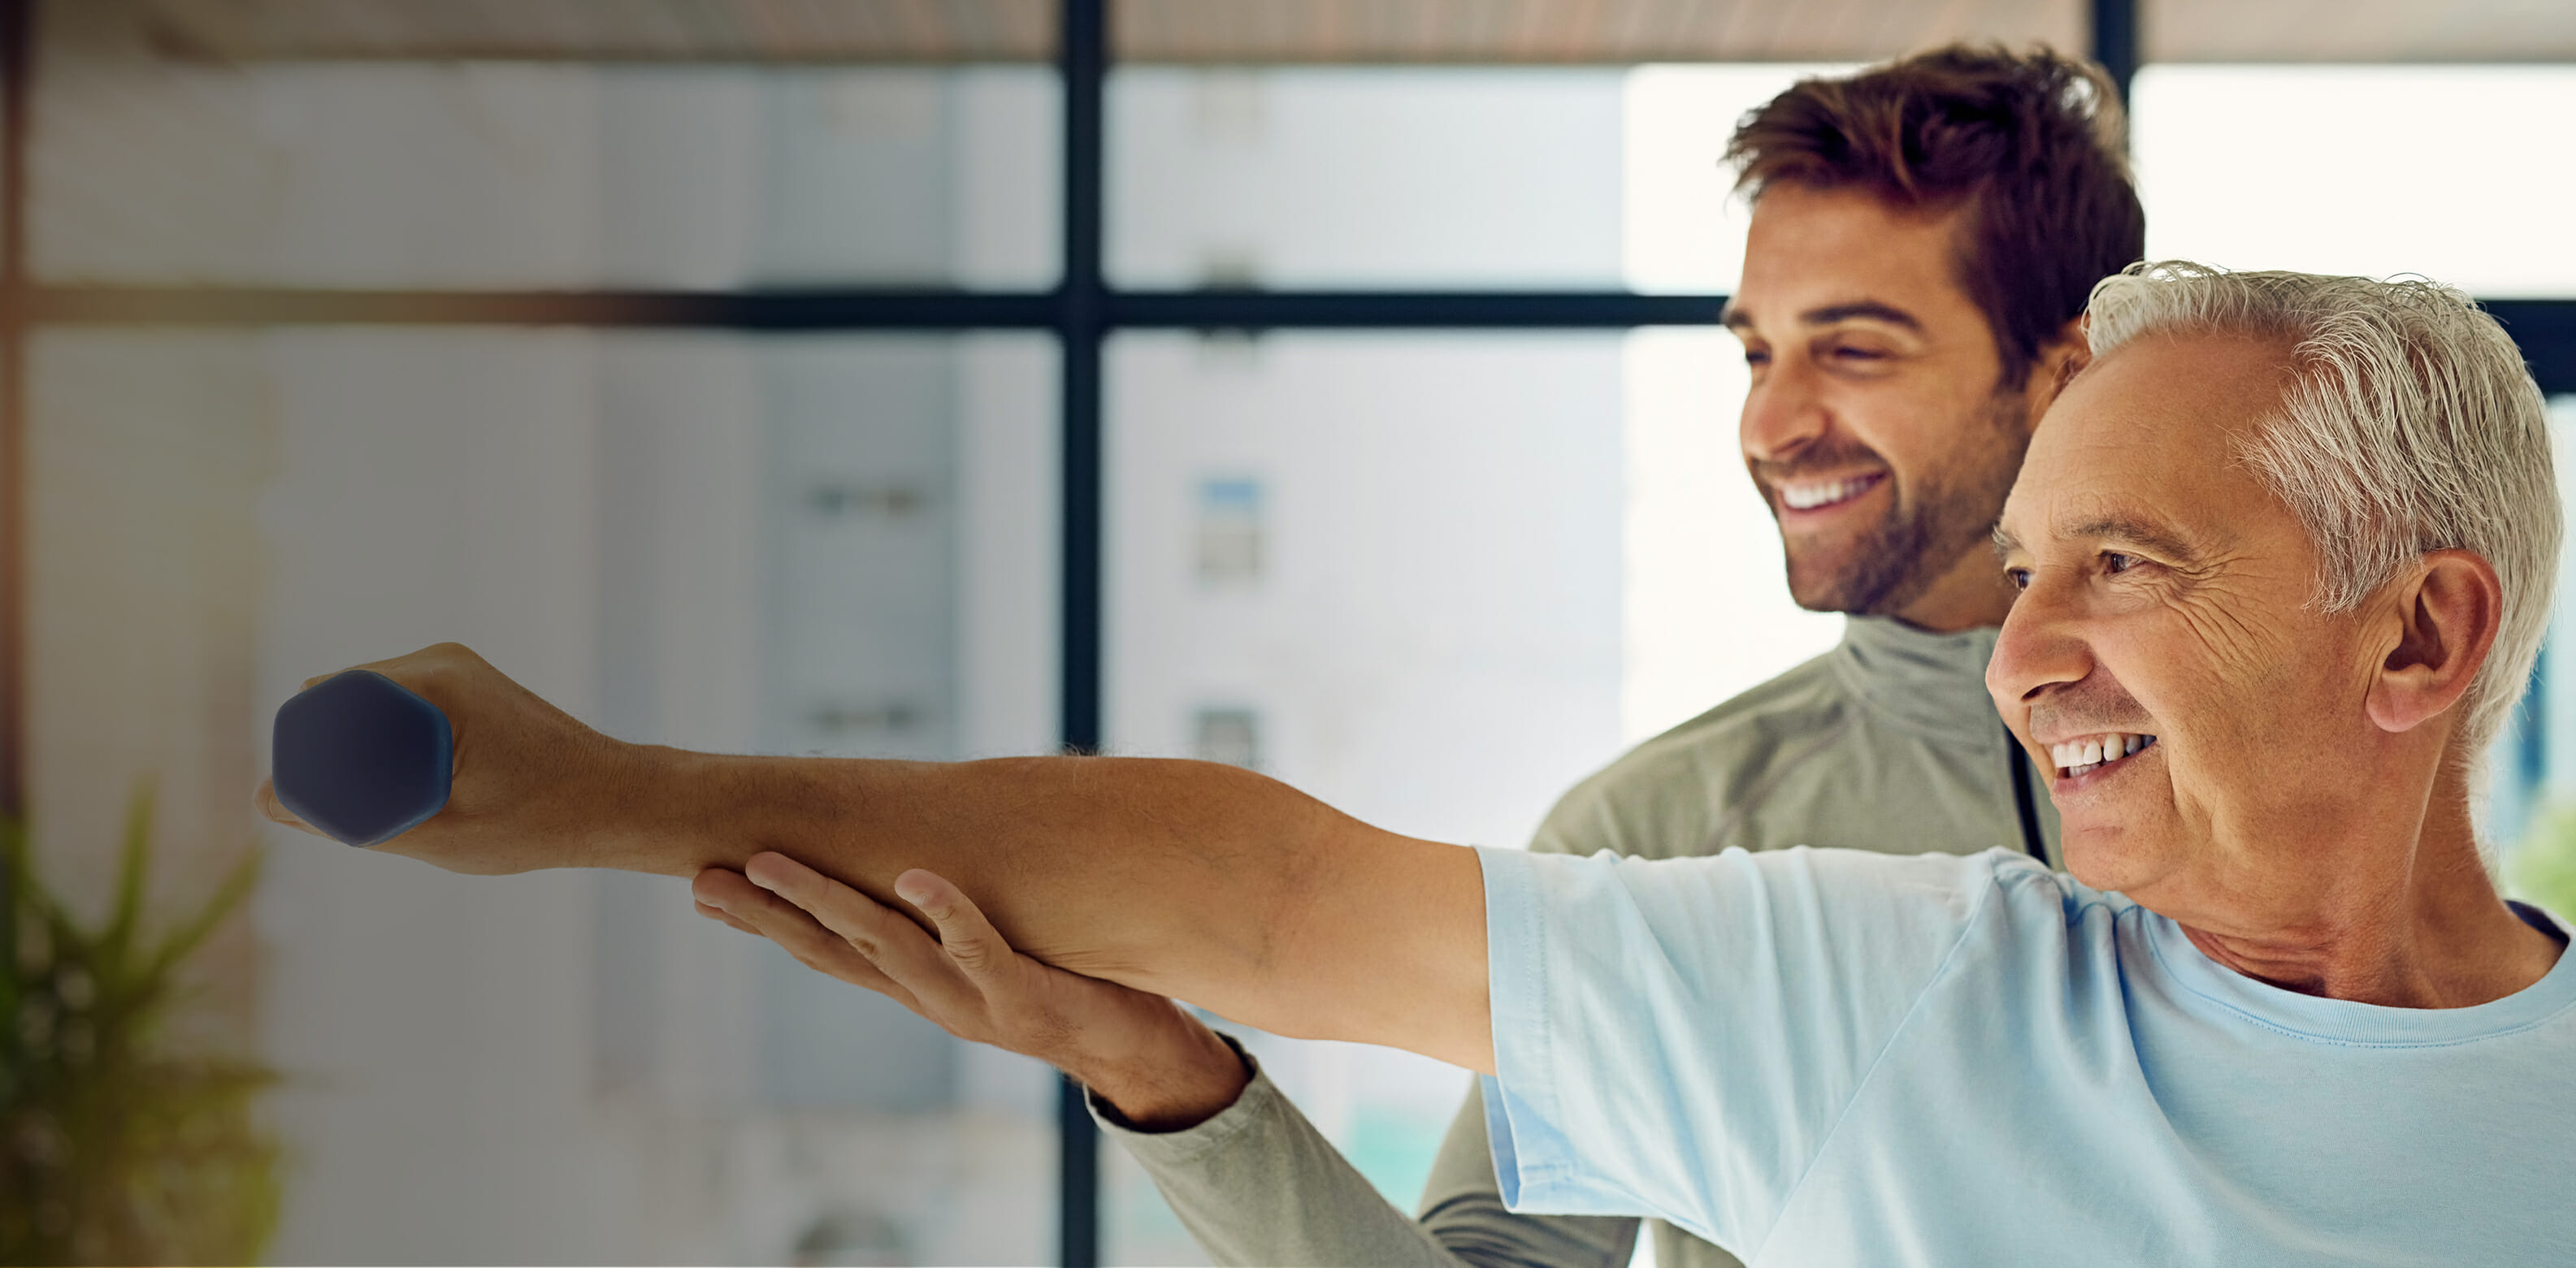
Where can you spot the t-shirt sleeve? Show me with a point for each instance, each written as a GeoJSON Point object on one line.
{"type": "Point", "coordinates": [1679, 1037]}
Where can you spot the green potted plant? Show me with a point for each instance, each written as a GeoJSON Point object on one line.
{"type": "Point", "coordinates": [119, 1144]}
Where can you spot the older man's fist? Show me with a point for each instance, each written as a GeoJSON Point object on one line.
{"type": "Point", "coordinates": [530, 786]}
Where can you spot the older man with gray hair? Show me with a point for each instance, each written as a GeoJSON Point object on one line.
{"type": "Point", "coordinates": [2284, 552]}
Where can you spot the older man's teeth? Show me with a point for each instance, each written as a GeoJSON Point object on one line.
{"type": "Point", "coordinates": [1807, 497]}
{"type": "Point", "coordinates": [2084, 756]}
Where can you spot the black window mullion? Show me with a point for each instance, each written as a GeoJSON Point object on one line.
{"type": "Point", "coordinates": [1080, 316]}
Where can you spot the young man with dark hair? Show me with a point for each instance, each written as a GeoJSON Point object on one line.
{"type": "Point", "coordinates": [1924, 237]}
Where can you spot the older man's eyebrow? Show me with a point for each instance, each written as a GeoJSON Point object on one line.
{"type": "Point", "coordinates": [2134, 530]}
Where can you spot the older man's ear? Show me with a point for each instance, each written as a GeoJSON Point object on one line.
{"type": "Point", "coordinates": [2439, 626]}
{"type": "Point", "coordinates": [2060, 359]}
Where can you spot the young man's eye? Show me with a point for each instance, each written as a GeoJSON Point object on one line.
{"type": "Point", "coordinates": [1755, 356]}
{"type": "Point", "coordinates": [2019, 577]}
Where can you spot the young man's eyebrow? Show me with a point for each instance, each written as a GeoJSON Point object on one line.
{"type": "Point", "coordinates": [1736, 319]}
{"type": "Point", "coordinates": [1863, 310]}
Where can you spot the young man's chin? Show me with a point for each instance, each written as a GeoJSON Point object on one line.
{"type": "Point", "coordinates": [1832, 581]}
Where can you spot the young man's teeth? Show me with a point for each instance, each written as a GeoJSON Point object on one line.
{"type": "Point", "coordinates": [2077, 757]}
{"type": "Point", "coordinates": [1807, 497]}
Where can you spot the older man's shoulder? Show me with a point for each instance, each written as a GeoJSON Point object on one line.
{"type": "Point", "coordinates": [1673, 794]}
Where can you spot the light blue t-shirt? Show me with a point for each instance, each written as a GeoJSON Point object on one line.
{"type": "Point", "coordinates": [1828, 1057]}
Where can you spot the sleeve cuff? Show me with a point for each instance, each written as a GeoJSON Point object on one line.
{"type": "Point", "coordinates": [1258, 1098]}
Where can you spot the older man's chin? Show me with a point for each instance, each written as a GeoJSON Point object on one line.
{"type": "Point", "coordinates": [2115, 839]}
{"type": "Point", "coordinates": [2107, 857]}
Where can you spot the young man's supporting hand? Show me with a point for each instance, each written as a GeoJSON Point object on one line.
{"type": "Point", "coordinates": [1149, 1059]}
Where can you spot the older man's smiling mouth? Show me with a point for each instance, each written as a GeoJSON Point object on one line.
{"type": "Point", "coordinates": [2078, 758]}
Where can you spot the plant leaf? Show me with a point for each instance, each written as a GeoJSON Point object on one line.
{"type": "Point", "coordinates": [13, 971]}
{"type": "Point", "coordinates": [134, 863]}
{"type": "Point", "coordinates": [236, 886]}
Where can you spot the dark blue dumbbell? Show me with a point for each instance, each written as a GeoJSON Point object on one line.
{"type": "Point", "coordinates": [361, 758]}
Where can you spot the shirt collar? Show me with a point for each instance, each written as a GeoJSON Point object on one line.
{"type": "Point", "coordinates": [1927, 680]}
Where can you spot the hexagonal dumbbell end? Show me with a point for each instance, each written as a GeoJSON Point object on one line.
{"type": "Point", "coordinates": [361, 758]}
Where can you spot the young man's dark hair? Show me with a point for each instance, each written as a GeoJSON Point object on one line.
{"type": "Point", "coordinates": [2035, 140]}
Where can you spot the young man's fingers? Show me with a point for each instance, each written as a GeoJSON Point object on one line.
{"type": "Point", "coordinates": [799, 934]}
{"type": "Point", "coordinates": [720, 915]}
{"type": "Point", "coordinates": [843, 910]}
{"type": "Point", "coordinates": [898, 947]}
{"type": "Point", "coordinates": [968, 939]}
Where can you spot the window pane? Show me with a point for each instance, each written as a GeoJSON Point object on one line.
{"type": "Point", "coordinates": [1434, 580]}
{"type": "Point", "coordinates": [438, 175]}
{"type": "Point", "coordinates": [833, 544]}
{"type": "Point", "coordinates": [1684, 228]}
{"type": "Point", "coordinates": [1324, 177]}
{"type": "Point", "coordinates": [2324, 169]}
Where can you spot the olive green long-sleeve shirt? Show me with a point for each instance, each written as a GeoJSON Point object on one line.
{"type": "Point", "coordinates": [1888, 742]}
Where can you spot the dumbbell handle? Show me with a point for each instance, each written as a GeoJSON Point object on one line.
{"type": "Point", "coordinates": [361, 758]}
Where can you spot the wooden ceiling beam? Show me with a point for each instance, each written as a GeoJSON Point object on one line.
{"type": "Point", "coordinates": [1340, 31]}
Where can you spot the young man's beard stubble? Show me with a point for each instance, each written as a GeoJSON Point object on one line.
{"type": "Point", "coordinates": [1945, 513]}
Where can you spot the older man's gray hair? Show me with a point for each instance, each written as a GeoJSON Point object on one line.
{"type": "Point", "coordinates": [2412, 426]}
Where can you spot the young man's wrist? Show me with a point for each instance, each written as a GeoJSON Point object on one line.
{"type": "Point", "coordinates": [1199, 1077]}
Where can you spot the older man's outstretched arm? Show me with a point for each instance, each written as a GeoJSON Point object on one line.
{"type": "Point", "coordinates": [1190, 879]}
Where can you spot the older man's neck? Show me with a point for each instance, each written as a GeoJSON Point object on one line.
{"type": "Point", "coordinates": [2435, 934]}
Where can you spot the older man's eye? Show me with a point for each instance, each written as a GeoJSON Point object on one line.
{"type": "Point", "coordinates": [2114, 561]}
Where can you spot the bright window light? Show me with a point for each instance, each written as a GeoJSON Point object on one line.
{"type": "Point", "coordinates": [2458, 173]}
{"type": "Point", "coordinates": [1684, 228]}
{"type": "Point", "coordinates": [1707, 608]}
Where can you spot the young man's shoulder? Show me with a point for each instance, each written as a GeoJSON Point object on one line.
{"type": "Point", "coordinates": [1670, 795]}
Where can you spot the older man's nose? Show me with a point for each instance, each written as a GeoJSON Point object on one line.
{"type": "Point", "coordinates": [1783, 413]}
{"type": "Point", "coordinates": [2037, 648]}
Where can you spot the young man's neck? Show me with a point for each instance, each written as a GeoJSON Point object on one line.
{"type": "Point", "coordinates": [1972, 593]}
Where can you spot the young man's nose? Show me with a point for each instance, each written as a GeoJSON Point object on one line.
{"type": "Point", "coordinates": [1783, 413]}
